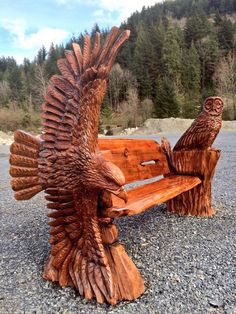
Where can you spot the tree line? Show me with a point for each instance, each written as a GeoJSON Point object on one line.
{"type": "Point", "coordinates": [179, 52]}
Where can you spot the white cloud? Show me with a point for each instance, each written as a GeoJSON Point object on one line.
{"type": "Point", "coordinates": [45, 36]}
{"type": "Point", "coordinates": [124, 8]}
{"type": "Point", "coordinates": [98, 13]}
{"type": "Point", "coordinates": [20, 57]}
{"type": "Point", "coordinates": [31, 41]}
{"type": "Point", "coordinates": [62, 2]}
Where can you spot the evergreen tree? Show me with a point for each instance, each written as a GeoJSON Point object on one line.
{"type": "Point", "coordinates": [226, 35]}
{"type": "Point", "coordinates": [41, 56]}
{"type": "Point", "coordinates": [12, 76]}
{"type": "Point", "coordinates": [157, 37]}
{"type": "Point", "coordinates": [208, 51]}
{"type": "Point", "coordinates": [141, 62]}
{"type": "Point", "coordinates": [196, 28]}
{"type": "Point", "coordinates": [166, 103]}
{"type": "Point", "coordinates": [94, 30]}
{"type": "Point", "coordinates": [23, 96]}
{"type": "Point", "coordinates": [191, 71]}
{"type": "Point", "coordinates": [172, 57]}
{"type": "Point", "coordinates": [169, 66]}
{"type": "Point", "coordinates": [217, 19]}
{"type": "Point", "coordinates": [51, 62]}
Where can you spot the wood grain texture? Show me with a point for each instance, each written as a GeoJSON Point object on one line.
{"type": "Point", "coordinates": [138, 159]}
{"type": "Point", "coordinates": [77, 251]}
{"type": "Point", "coordinates": [145, 196]}
{"type": "Point", "coordinates": [67, 164]}
{"type": "Point", "coordinates": [128, 283]}
{"type": "Point", "coordinates": [84, 178]}
{"type": "Point", "coordinates": [193, 155]}
{"type": "Point", "coordinates": [197, 201]}
{"type": "Point", "coordinates": [204, 129]}
{"type": "Point", "coordinates": [24, 153]}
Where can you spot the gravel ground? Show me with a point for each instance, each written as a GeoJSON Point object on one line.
{"type": "Point", "coordinates": [188, 264]}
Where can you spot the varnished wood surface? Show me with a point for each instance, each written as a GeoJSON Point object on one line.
{"type": "Point", "coordinates": [143, 197]}
{"type": "Point", "coordinates": [204, 129]}
{"type": "Point", "coordinates": [24, 165]}
{"type": "Point", "coordinates": [197, 201]}
{"type": "Point", "coordinates": [67, 165]}
{"type": "Point", "coordinates": [79, 180]}
{"type": "Point", "coordinates": [138, 159]}
{"type": "Point", "coordinates": [128, 283]}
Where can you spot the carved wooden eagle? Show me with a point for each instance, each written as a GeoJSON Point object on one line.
{"type": "Point", "coordinates": [66, 163]}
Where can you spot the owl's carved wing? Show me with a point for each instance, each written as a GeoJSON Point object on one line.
{"type": "Point", "coordinates": [196, 135]}
{"type": "Point", "coordinates": [77, 254]}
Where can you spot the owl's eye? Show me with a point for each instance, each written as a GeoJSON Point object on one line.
{"type": "Point", "coordinates": [218, 104]}
{"type": "Point", "coordinates": [208, 105]}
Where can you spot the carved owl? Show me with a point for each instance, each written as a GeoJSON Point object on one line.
{"type": "Point", "coordinates": [204, 129]}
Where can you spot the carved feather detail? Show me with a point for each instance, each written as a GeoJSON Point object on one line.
{"type": "Point", "coordinates": [66, 163]}
{"type": "Point", "coordinates": [24, 165]}
{"type": "Point", "coordinates": [77, 253]}
{"type": "Point", "coordinates": [204, 129]}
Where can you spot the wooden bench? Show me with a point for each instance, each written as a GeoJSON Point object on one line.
{"type": "Point", "coordinates": [66, 163]}
{"type": "Point", "coordinates": [140, 160]}
{"type": "Point", "coordinates": [182, 179]}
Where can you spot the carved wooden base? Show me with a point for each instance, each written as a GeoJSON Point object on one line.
{"type": "Point", "coordinates": [197, 201]}
{"type": "Point", "coordinates": [126, 280]}
{"type": "Point", "coordinates": [192, 203]}
{"type": "Point", "coordinates": [128, 283]}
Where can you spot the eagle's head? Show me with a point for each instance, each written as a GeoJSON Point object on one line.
{"type": "Point", "coordinates": [108, 177]}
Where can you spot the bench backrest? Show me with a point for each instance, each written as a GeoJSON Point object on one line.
{"type": "Point", "coordinates": [138, 159]}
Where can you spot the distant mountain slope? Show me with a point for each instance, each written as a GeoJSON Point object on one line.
{"type": "Point", "coordinates": [179, 52]}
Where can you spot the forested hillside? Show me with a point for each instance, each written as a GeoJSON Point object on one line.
{"type": "Point", "coordinates": [179, 53]}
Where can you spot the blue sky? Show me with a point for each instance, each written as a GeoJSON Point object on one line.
{"type": "Point", "coordinates": [26, 25]}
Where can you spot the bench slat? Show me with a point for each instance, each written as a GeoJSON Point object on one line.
{"type": "Point", "coordinates": [138, 159]}
{"type": "Point", "coordinates": [145, 196]}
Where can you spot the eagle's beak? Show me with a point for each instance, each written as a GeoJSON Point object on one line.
{"type": "Point", "coordinates": [121, 193]}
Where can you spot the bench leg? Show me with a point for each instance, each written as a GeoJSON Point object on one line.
{"type": "Point", "coordinates": [128, 283]}
{"type": "Point", "coordinates": [197, 201]}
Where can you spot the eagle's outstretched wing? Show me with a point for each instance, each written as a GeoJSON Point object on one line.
{"type": "Point", "coordinates": [71, 110]}
{"type": "Point", "coordinates": [70, 119]}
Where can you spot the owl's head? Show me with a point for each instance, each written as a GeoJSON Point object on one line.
{"type": "Point", "coordinates": [213, 106]}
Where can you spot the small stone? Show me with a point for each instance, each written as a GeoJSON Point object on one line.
{"type": "Point", "coordinates": [22, 280]}
{"type": "Point", "coordinates": [176, 278]}
{"type": "Point", "coordinates": [216, 302]}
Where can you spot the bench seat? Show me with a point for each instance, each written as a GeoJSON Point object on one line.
{"type": "Point", "coordinates": [140, 160]}
{"type": "Point", "coordinates": [145, 196]}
